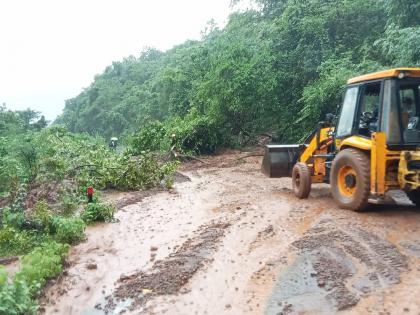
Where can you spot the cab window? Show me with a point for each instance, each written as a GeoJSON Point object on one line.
{"type": "Point", "coordinates": [369, 108]}
{"type": "Point", "coordinates": [401, 111]}
{"type": "Point", "coordinates": [408, 104]}
{"type": "Point", "coordinates": [409, 100]}
{"type": "Point", "coordinates": [348, 111]}
{"type": "Point", "coordinates": [390, 114]}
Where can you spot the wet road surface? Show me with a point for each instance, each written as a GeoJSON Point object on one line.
{"type": "Point", "coordinates": [227, 240]}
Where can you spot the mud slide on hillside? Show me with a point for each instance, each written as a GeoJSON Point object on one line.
{"type": "Point", "coordinates": [227, 240]}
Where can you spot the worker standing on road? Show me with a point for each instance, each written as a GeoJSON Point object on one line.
{"type": "Point", "coordinates": [174, 151]}
{"type": "Point", "coordinates": [113, 143]}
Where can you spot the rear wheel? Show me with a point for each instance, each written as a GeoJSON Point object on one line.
{"type": "Point", "coordinates": [414, 197]}
{"type": "Point", "coordinates": [301, 180]}
{"type": "Point", "coordinates": [350, 179]}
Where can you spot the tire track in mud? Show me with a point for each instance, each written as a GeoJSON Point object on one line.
{"type": "Point", "coordinates": [170, 275]}
{"type": "Point", "coordinates": [335, 267]}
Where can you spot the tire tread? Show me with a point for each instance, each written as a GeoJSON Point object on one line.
{"type": "Point", "coordinates": [306, 181]}
{"type": "Point", "coordinates": [362, 160]}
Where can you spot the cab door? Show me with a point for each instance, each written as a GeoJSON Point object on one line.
{"type": "Point", "coordinates": [345, 126]}
{"type": "Point", "coordinates": [360, 112]}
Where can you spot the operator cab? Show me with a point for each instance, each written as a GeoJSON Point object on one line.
{"type": "Point", "coordinates": [387, 101]}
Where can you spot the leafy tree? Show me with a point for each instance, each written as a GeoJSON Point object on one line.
{"type": "Point", "coordinates": [269, 69]}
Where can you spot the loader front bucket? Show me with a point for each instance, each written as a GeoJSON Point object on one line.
{"type": "Point", "coordinates": [279, 159]}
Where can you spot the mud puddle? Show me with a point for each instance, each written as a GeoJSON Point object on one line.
{"type": "Point", "coordinates": [169, 275]}
{"type": "Point", "coordinates": [335, 268]}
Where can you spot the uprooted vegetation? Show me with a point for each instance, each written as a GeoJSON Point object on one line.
{"type": "Point", "coordinates": [44, 174]}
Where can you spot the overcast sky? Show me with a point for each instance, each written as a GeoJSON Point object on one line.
{"type": "Point", "coordinates": [51, 49]}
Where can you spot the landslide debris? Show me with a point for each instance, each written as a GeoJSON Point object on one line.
{"type": "Point", "coordinates": [168, 276]}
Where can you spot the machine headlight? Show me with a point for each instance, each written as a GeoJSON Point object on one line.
{"type": "Point", "coordinates": [403, 74]}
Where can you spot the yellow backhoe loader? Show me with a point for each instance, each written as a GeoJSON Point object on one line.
{"type": "Point", "coordinates": [373, 146]}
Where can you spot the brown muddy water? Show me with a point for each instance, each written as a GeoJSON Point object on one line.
{"type": "Point", "coordinates": [227, 240]}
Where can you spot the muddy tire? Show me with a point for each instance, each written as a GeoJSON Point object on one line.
{"type": "Point", "coordinates": [414, 197]}
{"type": "Point", "coordinates": [301, 180]}
{"type": "Point", "coordinates": [350, 179]}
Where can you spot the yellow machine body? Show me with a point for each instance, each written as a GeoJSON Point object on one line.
{"type": "Point", "coordinates": [390, 166]}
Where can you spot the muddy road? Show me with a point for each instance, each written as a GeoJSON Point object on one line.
{"type": "Point", "coordinates": [227, 240]}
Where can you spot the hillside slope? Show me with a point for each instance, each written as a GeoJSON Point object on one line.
{"type": "Point", "coordinates": [280, 69]}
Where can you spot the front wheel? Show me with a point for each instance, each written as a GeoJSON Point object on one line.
{"type": "Point", "coordinates": [350, 179]}
{"type": "Point", "coordinates": [301, 180]}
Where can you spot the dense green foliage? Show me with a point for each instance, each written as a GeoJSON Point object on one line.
{"type": "Point", "coordinates": [279, 68]}
{"type": "Point", "coordinates": [43, 263]}
{"type": "Point", "coordinates": [14, 241]}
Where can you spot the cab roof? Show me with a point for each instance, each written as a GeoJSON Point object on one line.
{"type": "Point", "coordinates": [409, 72]}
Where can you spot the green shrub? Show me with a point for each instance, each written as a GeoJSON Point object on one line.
{"type": "Point", "coordinates": [98, 212]}
{"type": "Point", "coordinates": [43, 263]}
{"type": "Point", "coordinates": [10, 171]}
{"type": "Point", "coordinates": [28, 153]}
{"type": "Point", "coordinates": [42, 214]}
{"type": "Point", "coordinates": [69, 204]}
{"type": "Point", "coordinates": [17, 194]}
{"type": "Point", "coordinates": [15, 298]}
{"type": "Point", "coordinates": [69, 230]}
{"type": "Point", "coordinates": [12, 218]}
{"type": "Point", "coordinates": [143, 172]}
{"type": "Point", "coordinates": [195, 134]}
{"type": "Point", "coordinates": [148, 138]}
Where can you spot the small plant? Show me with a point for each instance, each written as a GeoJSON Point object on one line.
{"type": "Point", "coordinates": [167, 172]}
{"type": "Point", "coordinates": [69, 230]}
{"type": "Point", "coordinates": [98, 212]}
{"type": "Point", "coordinates": [169, 182]}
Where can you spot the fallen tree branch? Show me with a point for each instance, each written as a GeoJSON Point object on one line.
{"type": "Point", "coordinates": [194, 158]}
{"type": "Point", "coordinates": [176, 154]}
